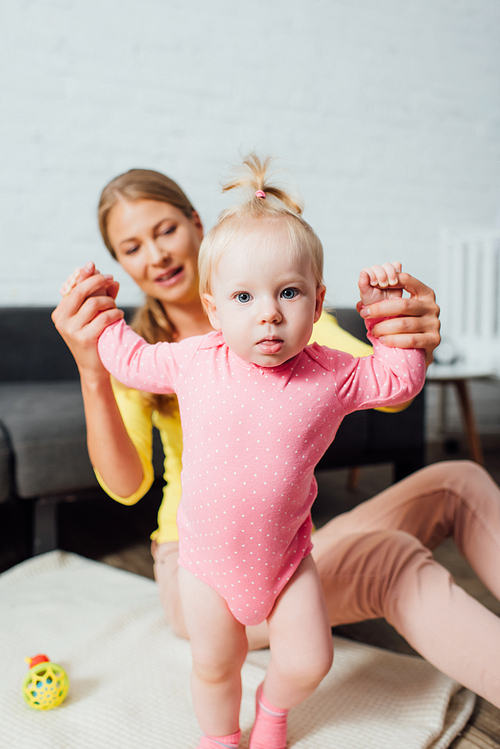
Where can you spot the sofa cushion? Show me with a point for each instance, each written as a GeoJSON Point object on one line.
{"type": "Point", "coordinates": [46, 425]}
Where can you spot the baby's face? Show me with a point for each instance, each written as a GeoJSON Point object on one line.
{"type": "Point", "coordinates": [264, 299]}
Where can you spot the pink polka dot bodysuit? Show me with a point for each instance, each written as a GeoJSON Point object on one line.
{"type": "Point", "coordinates": [252, 438]}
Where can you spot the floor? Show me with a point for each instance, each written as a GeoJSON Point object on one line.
{"type": "Point", "coordinates": [89, 528]}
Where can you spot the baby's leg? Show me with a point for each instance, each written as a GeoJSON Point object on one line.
{"type": "Point", "coordinates": [300, 639]}
{"type": "Point", "coordinates": [219, 647]}
{"type": "Point", "coordinates": [301, 655]}
{"type": "Point", "coordinates": [165, 570]}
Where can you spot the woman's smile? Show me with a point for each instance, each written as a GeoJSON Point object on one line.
{"type": "Point", "coordinates": [170, 277]}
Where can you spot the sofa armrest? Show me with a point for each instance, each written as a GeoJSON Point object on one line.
{"type": "Point", "coordinates": [6, 465]}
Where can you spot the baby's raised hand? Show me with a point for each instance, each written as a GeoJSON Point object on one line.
{"type": "Point", "coordinates": [379, 282]}
{"type": "Point", "coordinates": [81, 274]}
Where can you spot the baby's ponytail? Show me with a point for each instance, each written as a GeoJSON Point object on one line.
{"type": "Point", "coordinates": [264, 201]}
{"type": "Point", "coordinates": [256, 180]}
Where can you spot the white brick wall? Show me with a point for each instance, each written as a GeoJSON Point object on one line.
{"type": "Point", "coordinates": [388, 114]}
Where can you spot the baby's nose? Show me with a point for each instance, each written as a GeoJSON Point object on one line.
{"type": "Point", "coordinates": [271, 313]}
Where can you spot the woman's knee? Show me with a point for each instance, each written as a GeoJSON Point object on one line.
{"type": "Point", "coordinates": [165, 572]}
{"type": "Point", "coordinates": [175, 619]}
{"type": "Point", "coordinates": [455, 474]}
{"type": "Point", "coordinates": [467, 490]}
{"type": "Point", "coordinates": [258, 636]}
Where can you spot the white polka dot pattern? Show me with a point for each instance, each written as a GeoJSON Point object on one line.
{"type": "Point", "coordinates": [252, 438]}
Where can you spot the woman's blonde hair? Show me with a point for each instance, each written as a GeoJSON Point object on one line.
{"type": "Point", "coordinates": [235, 222]}
{"type": "Point", "coordinates": [150, 321]}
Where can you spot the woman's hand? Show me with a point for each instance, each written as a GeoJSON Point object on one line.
{"type": "Point", "coordinates": [411, 322]}
{"type": "Point", "coordinates": [86, 309]}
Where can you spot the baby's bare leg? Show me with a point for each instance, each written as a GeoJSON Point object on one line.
{"type": "Point", "coordinates": [219, 647]}
{"type": "Point", "coordinates": [301, 655]}
{"type": "Point", "coordinates": [300, 639]}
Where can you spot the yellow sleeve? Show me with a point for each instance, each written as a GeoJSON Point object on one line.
{"type": "Point", "coordinates": [137, 419]}
{"type": "Point", "coordinates": [171, 437]}
{"type": "Point", "coordinates": [327, 332]}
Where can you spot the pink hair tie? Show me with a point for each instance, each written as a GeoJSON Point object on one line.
{"type": "Point", "coordinates": [260, 194]}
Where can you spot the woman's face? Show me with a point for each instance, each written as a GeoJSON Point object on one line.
{"type": "Point", "coordinates": [158, 247]}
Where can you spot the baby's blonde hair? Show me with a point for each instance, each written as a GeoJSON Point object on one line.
{"type": "Point", "coordinates": [235, 222]}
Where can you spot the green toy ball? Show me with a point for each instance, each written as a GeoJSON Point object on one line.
{"type": "Point", "coordinates": [46, 684]}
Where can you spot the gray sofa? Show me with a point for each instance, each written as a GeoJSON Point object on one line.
{"type": "Point", "coordinates": [43, 453]}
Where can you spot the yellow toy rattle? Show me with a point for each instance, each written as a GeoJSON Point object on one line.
{"type": "Point", "coordinates": [46, 684]}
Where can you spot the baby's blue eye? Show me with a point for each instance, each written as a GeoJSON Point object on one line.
{"type": "Point", "coordinates": [243, 297]}
{"type": "Point", "coordinates": [289, 293]}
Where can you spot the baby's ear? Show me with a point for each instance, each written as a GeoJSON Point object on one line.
{"type": "Point", "coordinates": [209, 305]}
{"type": "Point", "coordinates": [320, 298]}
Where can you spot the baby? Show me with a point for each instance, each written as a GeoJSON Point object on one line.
{"type": "Point", "coordinates": [259, 407]}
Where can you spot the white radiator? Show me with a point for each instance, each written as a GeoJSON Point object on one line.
{"type": "Point", "coordinates": [470, 297]}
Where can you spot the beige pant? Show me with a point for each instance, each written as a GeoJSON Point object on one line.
{"type": "Point", "coordinates": [376, 561]}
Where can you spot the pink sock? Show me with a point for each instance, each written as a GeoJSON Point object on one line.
{"type": "Point", "coordinates": [216, 742]}
{"type": "Point", "coordinates": [269, 729]}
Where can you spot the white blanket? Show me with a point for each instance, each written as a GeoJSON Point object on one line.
{"type": "Point", "coordinates": [129, 675]}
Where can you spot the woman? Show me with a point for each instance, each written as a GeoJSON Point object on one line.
{"type": "Point", "coordinates": [374, 561]}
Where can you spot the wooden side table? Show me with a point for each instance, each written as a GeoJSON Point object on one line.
{"type": "Point", "coordinates": [459, 375]}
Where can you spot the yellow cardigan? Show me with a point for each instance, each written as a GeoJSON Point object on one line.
{"type": "Point", "coordinates": [139, 419]}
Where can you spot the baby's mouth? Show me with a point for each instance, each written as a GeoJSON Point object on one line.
{"type": "Point", "coordinates": [270, 345]}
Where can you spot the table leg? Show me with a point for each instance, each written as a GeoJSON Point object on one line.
{"type": "Point", "coordinates": [353, 478]}
{"type": "Point", "coordinates": [473, 441]}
